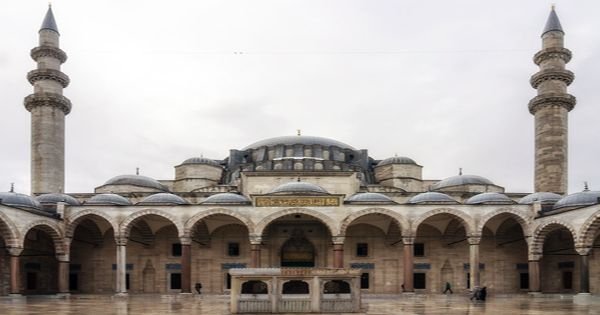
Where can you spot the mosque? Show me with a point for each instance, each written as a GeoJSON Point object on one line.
{"type": "Point", "coordinates": [299, 202]}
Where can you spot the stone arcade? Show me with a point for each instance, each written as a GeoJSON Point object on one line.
{"type": "Point", "coordinates": [299, 201]}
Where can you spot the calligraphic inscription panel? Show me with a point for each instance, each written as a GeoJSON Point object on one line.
{"type": "Point", "coordinates": [297, 201]}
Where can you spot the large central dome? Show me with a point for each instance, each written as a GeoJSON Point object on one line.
{"type": "Point", "coordinates": [304, 140]}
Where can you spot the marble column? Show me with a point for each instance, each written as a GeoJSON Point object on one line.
{"type": "Point", "coordinates": [338, 252]}
{"type": "Point", "coordinates": [408, 255]}
{"type": "Point", "coordinates": [254, 255]}
{"type": "Point", "coordinates": [63, 273]}
{"type": "Point", "coordinates": [186, 265]}
{"type": "Point", "coordinates": [15, 272]}
{"type": "Point", "coordinates": [121, 284]}
{"type": "Point", "coordinates": [534, 275]}
{"type": "Point", "coordinates": [584, 270]}
{"type": "Point", "coordinates": [474, 261]}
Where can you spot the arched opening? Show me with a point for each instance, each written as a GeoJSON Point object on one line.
{"type": "Point", "coordinates": [255, 287]}
{"type": "Point", "coordinates": [295, 287]}
{"type": "Point", "coordinates": [38, 262]}
{"type": "Point", "coordinates": [4, 266]}
{"type": "Point", "coordinates": [92, 254]}
{"type": "Point", "coordinates": [504, 248]}
{"type": "Point", "coordinates": [369, 240]}
{"type": "Point", "coordinates": [221, 240]}
{"type": "Point", "coordinates": [441, 235]}
{"type": "Point", "coordinates": [594, 261]}
{"type": "Point", "coordinates": [559, 264]}
{"type": "Point", "coordinates": [297, 240]}
{"type": "Point", "coordinates": [336, 287]}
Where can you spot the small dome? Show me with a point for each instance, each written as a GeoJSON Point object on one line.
{"type": "Point", "coordinates": [226, 198]}
{"type": "Point", "coordinates": [397, 160]}
{"type": "Point", "coordinates": [163, 198]}
{"type": "Point", "coordinates": [580, 199]}
{"type": "Point", "coordinates": [305, 140]}
{"type": "Point", "coordinates": [460, 180]}
{"type": "Point", "coordinates": [17, 200]}
{"type": "Point", "coordinates": [369, 197]}
{"type": "Point", "coordinates": [489, 198]}
{"type": "Point", "coordinates": [200, 160]}
{"type": "Point", "coordinates": [53, 199]}
{"type": "Point", "coordinates": [108, 199]}
{"type": "Point", "coordinates": [431, 197]}
{"type": "Point", "coordinates": [298, 187]}
{"type": "Point", "coordinates": [542, 197]}
{"type": "Point", "coordinates": [136, 180]}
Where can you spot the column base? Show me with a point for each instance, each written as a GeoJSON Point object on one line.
{"type": "Point", "coordinates": [583, 299]}
{"type": "Point", "coordinates": [535, 294]}
{"type": "Point", "coordinates": [408, 293]}
{"type": "Point", "coordinates": [16, 296]}
{"type": "Point", "coordinates": [64, 295]}
{"type": "Point", "coordinates": [121, 295]}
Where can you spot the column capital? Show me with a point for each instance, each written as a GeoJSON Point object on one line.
{"type": "Point", "coordinates": [14, 251]}
{"type": "Point", "coordinates": [63, 257]}
{"type": "Point", "coordinates": [338, 240]}
{"type": "Point", "coordinates": [121, 240]}
{"type": "Point", "coordinates": [408, 240]}
{"type": "Point", "coordinates": [185, 240]}
{"type": "Point", "coordinates": [256, 239]}
{"type": "Point", "coordinates": [583, 251]}
{"type": "Point", "coordinates": [534, 257]}
{"type": "Point", "coordinates": [474, 239]}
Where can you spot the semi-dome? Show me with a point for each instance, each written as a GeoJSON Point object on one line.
{"type": "Point", "coordinates": [305, 140]}
{"type": "Point", "coordinates": [108, 199]}
{"type": "Point", "coordinates": [53, 199]}
{"type": "Point", "coordinates": [18, 200]}
{"type": "Point", "coordinates": [397, 160]}
{"type": "Point", "coordinates": [226, 198]}
{"type": "Point", "coordinates": [489, 198]}
{"type": "Point", "coordinates": [460, 180]}
{"type": "Point", "coordinates": [136, 180]}
{"type": "Point", "coordinates": [432, 197]}
{"type": "Point", "coordinates": [200, 160]}
{"type": "Point", "coordinates": [542, 197]}
{"type": "Point", "coordinates": [579, 199]}
{"type": "Point", "coordinates": [369, 197]}
{"type": "Point", "coordinates": [298, 188]}
{"type": "Point", "coordinates": [163, 198]}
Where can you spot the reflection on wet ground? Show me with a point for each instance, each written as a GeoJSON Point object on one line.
{"type": "Point", "coordinates": [400, 304]}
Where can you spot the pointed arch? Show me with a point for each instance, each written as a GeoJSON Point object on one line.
{"type": "Point", "coordinates": [589, 230]}
{"type": "Point", "coordinates": [52, 229]}
{"type": "Point", "coordinates": [465, 219]}
{"type": "Point", "coordinates": [538, 236]}
{"type": "Point", "coordinates": [73, 221]}
{"type": "Point", "coordinates": [9, 231]}
{"type": "Point", "coordinates": [189, 224]}
{"type": "Point", "coordinates": [398, 218]}
{"type": "Point", "coordinates": [329, 222]}
{"type": "Point", "coordinates": [521, 218]}
{"type": "Point", "coordinates": [125, 226]}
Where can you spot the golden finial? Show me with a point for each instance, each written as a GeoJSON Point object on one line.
{"type": "Point", "coordinates": [49, 4]}
{"type": "Point", "coordinates": [553, 6]}
{"type": "Point", "coordinates": [12, 187]}
{"type": "Point", "coordinates": [460, 171]}
{"type": "Point", "coordinates": [299, 132]}
{"type": "Point", "coordinates": [137, 171]}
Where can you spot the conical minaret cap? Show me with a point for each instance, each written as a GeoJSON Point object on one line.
{"type": "Point", "coordinates": [49, 22]}
{"type": "Point", "coordinates": [552, 24]}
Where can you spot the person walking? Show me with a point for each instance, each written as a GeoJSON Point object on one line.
{"type": "Point", "coordinates": [448, 288]}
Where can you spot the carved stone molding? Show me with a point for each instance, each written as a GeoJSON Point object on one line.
{"type": "Point", "coordinates": [48, 51]}
{"type": "Point", "coordinates": [48, 99]}
{"type": "Point", "coordinates": [552, 99]}
{"type": "Point", "coordinates": [48, 74]}
{"type": "Point", "coordinates": [545, 75]}
{"type": "Point", "coordinates": [552, 52]}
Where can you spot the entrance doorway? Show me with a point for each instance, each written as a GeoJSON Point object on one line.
{"type": "Point", "coordinates": [297, 251]}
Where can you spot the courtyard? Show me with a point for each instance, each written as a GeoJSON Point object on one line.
{"type": "Point", "coordinates": [219, 304]}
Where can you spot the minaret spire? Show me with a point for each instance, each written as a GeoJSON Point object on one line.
{"type": "Point", "coordinates": [48, 109]}
{"type": "Point", "coordinates": [551, 108]}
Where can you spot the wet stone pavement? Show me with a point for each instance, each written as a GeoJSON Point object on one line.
{"type": "Point", "coordinates": [382, 305]}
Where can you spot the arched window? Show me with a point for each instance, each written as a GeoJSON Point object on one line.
{"type": "Point", "coordinates": [336, 287]}
{"type": "Point", "coordinates": [254, 287]}
{"type": "Point", "coordinates": [295, 287]}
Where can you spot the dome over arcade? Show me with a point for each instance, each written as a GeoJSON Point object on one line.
{"type": "Point", "coordinates": [460, 180]}
{"type": "Point", "coordinates": [53, 199]}
{"type": "Point", "coordinates": [369, 197]}
{"type": "Point", "coordinates": [579, 199]}
{"type": "Point", "coordinates": [17, 200]}
{"type": "Point", "coordinates": [108, 199]}
{"type": "Point", "coordinates": [397, 160]}
{"type": "Point", "coordinates": [299, 188]}
{"type": "Point", "coordinates": [163, 199]}
{"type": "Point", "coordinates": [226, 198]}
{"type": "Point", "coordinates": [304, 140]}
{"type": "Point", "coordinates": [200, 160]}
{"type": "Point", "coordinates": [136, 180]}
{"type": "Point", "coordinates": [489, 198]}
{"type": "Point", "coordinates": [542, 197]}
{"type": "Point", "coordinates": [432, 197]}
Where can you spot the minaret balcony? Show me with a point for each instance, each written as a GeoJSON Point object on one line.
{"type": "Point", "coordinates": [48, 99]}
{"type": "Point", "coordinates": [48, 51]}
{"type": "Point", "coordinates": [552, 52]}
{"type": "Point", "coordinates": [552, 99]}
{"type": "Point", "coordinates": [48, 74]}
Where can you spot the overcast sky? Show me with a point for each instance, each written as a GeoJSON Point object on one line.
{"type": "Point", "coordinates": [156, 82]}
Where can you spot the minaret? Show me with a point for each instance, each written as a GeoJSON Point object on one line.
{"type": "Point", "coordinates": [551, 109]}
{"type": "Point", "coordinates": [48, 108]}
